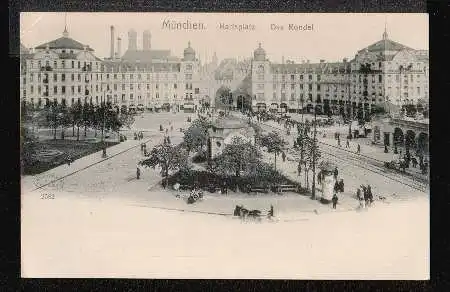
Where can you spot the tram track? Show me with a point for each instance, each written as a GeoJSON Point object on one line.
{"type": "Point", "coordinates": [374, 166]}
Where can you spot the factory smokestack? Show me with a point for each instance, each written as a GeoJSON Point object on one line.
{"type": "Point", "coordinates": [112, 42]}
{"type": "Point", "coordinates": [146, 40]}
{"type": "Point", "coordinates": [119, 46]}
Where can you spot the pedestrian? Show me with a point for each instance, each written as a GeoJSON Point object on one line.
{"type": "Point", "coordinates": [168, 140]}
{"type": "Point", "coordinates": [138, 173]}
{"type": "Point", "coordinates": [68, 160]}
{"type": "Point", "coordinates": [358, 194]}
{"type": "Point", "coordinates": [336, 187]}
{"type": "Point", "coordinates": [347, 144]}
{"type": "Point", "coordinates": [358, 150]}
{"type": "Point", "coordinates": [341, 185]}
{"type": "Point", "coordinates": [335, 173]}
{"type": "Point", "coordinates": [335, 200]}
{"type": "Point", "coordinates": [224, 188]}
{"type": "Point", "coordinates": [299, 168]}
{"type": "Point", "coordinates": [319, 177]}
{"type": "Point", "coordinates": [270, 213]}
{"type": "Point", "coordinates": [414, 162]}
{"type": "Point", "coordinates": [339, 141]}
{"type": "Point", "coordinates": [369, 194]}
{"type": "Point", "coordinates": [135, 136]}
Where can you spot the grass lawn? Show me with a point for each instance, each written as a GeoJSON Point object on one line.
{"type": "Point", "coordinates": [66, 148]}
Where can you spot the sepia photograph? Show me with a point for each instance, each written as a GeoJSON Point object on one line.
{"type": "Point", "coordinates": [225, 145]}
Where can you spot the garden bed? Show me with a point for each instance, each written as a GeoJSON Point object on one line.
{"type": "Point", "coordinates": [213, 182]}
{"type": "Point", "coordinates": [35, 164]}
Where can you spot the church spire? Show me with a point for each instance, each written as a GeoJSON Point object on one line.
{"type": "Point", "coordinates": [65, 32]}
{"type": "Point", "coordinates": [385, 35]}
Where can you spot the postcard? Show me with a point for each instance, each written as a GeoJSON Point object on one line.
{"type": "Point", "coordinates": [224, 145]}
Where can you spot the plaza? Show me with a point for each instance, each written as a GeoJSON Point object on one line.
{"type": "Point", "coordinates": [171, 125]}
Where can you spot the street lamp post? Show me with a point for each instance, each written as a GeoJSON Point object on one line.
{"type": "Point", "coordinates": [103, 102]}
{"type": "Point", "coordinates": [313, 190]}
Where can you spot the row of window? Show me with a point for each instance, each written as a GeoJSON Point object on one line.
{"type": "Point", "coordinates": [62, 64]}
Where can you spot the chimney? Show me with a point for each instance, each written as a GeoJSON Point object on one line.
{"type": "Point", "coordinates": [345, 60]}
{"type": "Point", "coordinates": [112, 42]}
{"type": "Point", "coordinates": [322, 61]}
{"type": "Point", "coordinates": [119, 46]}
{"type": "Point", "coordinates": [146, 40]}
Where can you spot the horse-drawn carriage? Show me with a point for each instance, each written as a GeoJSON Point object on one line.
{"type": "Point", "coordinates": [399, 165]}
{"type": "Point", "coordinates": [243, 213]}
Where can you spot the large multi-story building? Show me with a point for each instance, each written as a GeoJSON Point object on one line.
{"type": "Point", "coordinates": [66, 71]}
{"type": "Point", "coordinates": [63, 71]}
{"type": "Point", "coordinates": [384, 72]}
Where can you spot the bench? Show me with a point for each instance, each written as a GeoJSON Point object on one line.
{"type": "Point", "coordinates": [264, 190]}
{"type": "Point", "coordinates": [285, 188]}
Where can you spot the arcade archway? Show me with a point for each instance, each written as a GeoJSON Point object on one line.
{"type": "Point", "coordinates": [422, 143]}
{"type": "Point", "coordinates": [410, 140]}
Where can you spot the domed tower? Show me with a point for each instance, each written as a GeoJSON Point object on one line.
{"type": "Point", "coordinates": [189, 53]}
{"type": "Point", "coordinates": [132, 40]}
{"type": "Point", "coordinates": [259, 54]}
{"type": "Point", "coordinates": [260, 76]}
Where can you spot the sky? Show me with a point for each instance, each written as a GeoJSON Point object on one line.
{"type": "Point", "coordinates": [332, 38]}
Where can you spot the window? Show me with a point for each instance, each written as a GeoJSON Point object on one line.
{"type": "Point", "coordinates": [418, 90]}
{"type": "Point", "coordinates": [31, 89]}
{"type": "Point", "coordinates": [148, 76]}
{"type": "Point", "coordinates": [55, 89]}
{"type": "Point", "coordinates": [139, 76]}
{"type": "Point", "coordinates": [187, 86]}
{"type": "Point", "coordinates": [274, 96]}
{"type": "Point", "coordinates": [72, 77]}
{"type": "Point", "coordinates": [79, 88]}
{"type": "Point", "coordinates": [39, 89]}
{"type": "Point", "coordinates": [188, 76]}
{"type": "Point", "coordinates": [157, 95]}
{"type": "Point", "coordinates": [310, 77]}
{"type": "Point", "coordinates": [73, 64]}
{"type": "Point", "coordinates": [115, 86]}
{"type": "Point", "coordinates": [31, 77]}
{"type": "Point", "coordinates": [292, 96]}
{"type": "Point", "coordinates": [301, 77]}
{"type": "Point", "coordinates": [283, 96]}
{"type": "Point", "coordinates": [63, 64]}
{"type": "Point", "coordinates": [318, 77]}
{"type": "Point", "coordinates": [123, 86]}
{"type": "Point", "coordinates": [131, 95]}
{"type": "Point", "coordinates": [72, 89]}
{"type": "Point", "coordinates": [274, 86]}
{"type": "Point", "coordinates": [131, 76]}
{"type": "Point", "coordinates": [63, 89]}
{"type": "Point", "coordinates": [63, 77]}
{"type": "Point", "coordinates": [79, 77]}
{"type": "Point", "coordinates": [139, 86]}
{"type": "Point", "coordinates": [301, 86]}
{"type": "Point", "coordinates": [131, 86]}
{"type": "Point", "coordinates": [380, 78]}
{"type": "Point", "coordinates": [218, 144]}
{"type": "Point", "coordinates": [283, 78]}
{"type": "Point", "coordinates": [175, 86]}
{"type": "Point", "coordinates": [55, 64]}
{"type": "Point", "coordinates": [318, 87]}
{"type": "Point", "coordinates": [260, 96]}
{"type": "Point", "coordinates": [260, 86]}
{"type": "Point", "coordinates": [123, 97]}
{"type": "Point", "coordinates": [310, 87]}
{"type": "Point", "coordinates": [292, 86]}
{"type": "Point", "coordinates": [197, 90]}
{"type": "Point", "coordinates": [283, 86]}
{"type": "Point", "coordinates": [115, 76]}
{"type": "Point", "coordinates": [188, 67]}
{"type": "Point", "coordinates": [55, 78]}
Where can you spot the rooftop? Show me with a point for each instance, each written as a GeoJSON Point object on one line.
{"type": "Point", "coordinates": [64, 43]}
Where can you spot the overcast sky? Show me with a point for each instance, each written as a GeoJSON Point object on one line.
{"type": "Point", "coordinates": [334, 36]}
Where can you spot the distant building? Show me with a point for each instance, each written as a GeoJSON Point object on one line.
{"type": "Point", "coordinates": [224, 130]}
{"type": "Point", "coordinates": [384, 72]}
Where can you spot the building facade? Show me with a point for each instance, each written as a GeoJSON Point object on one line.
{"type": "Point", "coordinates": [66, 71]}
{"type": "Point", "coordinates": [384, 72]}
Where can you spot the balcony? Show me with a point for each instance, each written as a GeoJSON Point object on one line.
{"type": "Point", "coordinates": [46, 68]}
{"type": "Point", "coordinates": [86, 80]}
{"type": "Point", "coordinates": [45, 93]}
{"type": "Point", "coordinates": [45, 80]}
